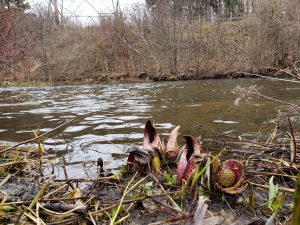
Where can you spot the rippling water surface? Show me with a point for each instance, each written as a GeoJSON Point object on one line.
{"type": "Point", "coordinates": [111, 117]}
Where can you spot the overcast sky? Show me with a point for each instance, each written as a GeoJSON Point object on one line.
{"type": "Point", "coordinates": [84, 8]}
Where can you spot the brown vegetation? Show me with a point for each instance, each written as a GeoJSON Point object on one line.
{"type": "Point", "coordinates": [14, 46]}
{"type": "Point", "coordinates": [163, 43]}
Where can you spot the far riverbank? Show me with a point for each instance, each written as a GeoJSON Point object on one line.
{"type": "Point", "coordinates": [267, 72]}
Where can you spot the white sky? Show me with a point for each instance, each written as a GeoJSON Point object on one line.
{"type": "Point", "coordinates": [84, 8]}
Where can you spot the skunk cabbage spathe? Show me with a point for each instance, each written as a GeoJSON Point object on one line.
{"type": "Point", "coordinates": [148, 157]}
{"type": "Point", "coordinates": [188, 162]}
{"type": "Point", "coordinates": [171, 148]}
{"type": "Point", "coordinates": [228, 177]}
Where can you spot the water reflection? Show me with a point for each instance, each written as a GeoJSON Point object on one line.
{"type": "Point", "coordinates": [116, 113]}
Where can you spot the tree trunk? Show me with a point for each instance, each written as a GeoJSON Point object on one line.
{"type": "Point", "coordinates": [174, 41]}
{"type": "Point", "coordinates": [208, 10]}
{"type": "Point", "coordinates": [56, 13]}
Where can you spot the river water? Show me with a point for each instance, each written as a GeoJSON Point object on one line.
{"type": "Point", "coordinates": [111, 117]}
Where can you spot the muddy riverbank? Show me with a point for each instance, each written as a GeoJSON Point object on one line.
{"type": "Point", "coordinates": [151, 77]}
{"type": "Point", "coordinates": [31, 193]}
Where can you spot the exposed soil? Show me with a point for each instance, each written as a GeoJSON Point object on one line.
{"type": "Point", "coordinates": [192, 75]}
{"type": "Point", "coordinates": [155, 77]}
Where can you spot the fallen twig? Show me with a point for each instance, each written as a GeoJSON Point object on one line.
{"type": "Point", "coordinates": [174, 219]}
{"type": "Point", "coordinates": [38, 137]}
{"type": "Point", "coordinates": [268, 187]}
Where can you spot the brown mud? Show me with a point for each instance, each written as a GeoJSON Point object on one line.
{"type": "Point", "coordinates": [155, 77]}
{"type": "Point", "coordinates": [181, 76]}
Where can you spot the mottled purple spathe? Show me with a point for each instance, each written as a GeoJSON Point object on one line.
{"type": "Point", "coordinates": [140, 159]}
{"type": "Point", "coordinates": [237, 168]}
{"type": "Point", "coordinates": [171, 148]}
{"type": "Point", "coordinates": [187, 162]}
{"type": "Point", "coordinates": [151, 139]}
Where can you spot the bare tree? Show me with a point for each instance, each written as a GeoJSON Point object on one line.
{"type": "Point", "coordinates": [13, 44]}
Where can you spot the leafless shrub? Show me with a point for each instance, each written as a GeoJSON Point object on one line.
{"type": "Point", "coordinates": [13, 43]}
{"type": "Point", "coordinates": [165, 41]}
